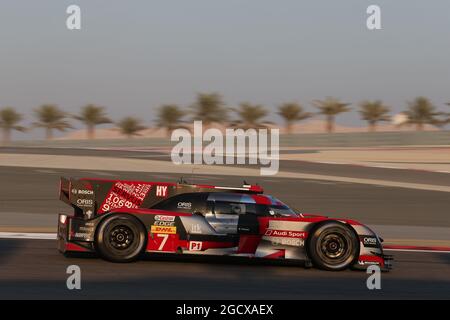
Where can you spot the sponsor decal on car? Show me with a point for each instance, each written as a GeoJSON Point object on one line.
{"type": "Point", "coordinates": [82, 191]}
{"type": "Point", "coordinates": [195, 229]}
{"type": "Point", "coordinates": [164, 223]}
{"type": "Point", "coordinates": [285, 233]}
{"type": "Point", "coordinates": [82, 235]}
{"type": "Point", "coordinates": [366, 263]}
{"type": "Point", "coordinates": [164, 218]}
{"type": "Point", "coordinates": [369, 241]}
{"type": "Point", "coordinates": [125, 195]}
{"type": "Point", "coordinates": [87, 229]}
{"type": "Point", "coordinates": [195, 245]}
{"type": "Point", "coordinates": [163, 229]}
{"type": "Point", "coordinates": [85, 202]}
{"type": "Point", "coordinates": [161, 191]}
{"type": "Point", "coordinates": [297, 242]}
{"type": "Point", "coordinates": [184, 205]}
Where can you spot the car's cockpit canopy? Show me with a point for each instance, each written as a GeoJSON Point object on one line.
{"type": "Point", "coordinates": [225, 203]}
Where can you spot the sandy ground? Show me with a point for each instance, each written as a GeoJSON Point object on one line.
{"type": "Point", "coordinates": [417, 158]}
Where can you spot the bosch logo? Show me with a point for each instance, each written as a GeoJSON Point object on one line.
{"type": "Point", "coordinates": [82, 191]}
{"type": "Point", "coordinates": [85, 191]}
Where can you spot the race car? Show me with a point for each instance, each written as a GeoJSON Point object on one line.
{"type": "Point", "coordinates": [121, 220]}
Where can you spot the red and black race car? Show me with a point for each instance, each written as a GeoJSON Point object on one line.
{"type": "Point", "coordinates": [120, 220]}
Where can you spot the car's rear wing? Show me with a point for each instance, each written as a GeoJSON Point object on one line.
{"type": "Point", "coordinates": [79, 194]}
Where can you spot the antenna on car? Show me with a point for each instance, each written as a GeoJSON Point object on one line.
{"type": "Point", "coordinates": [192, 175]}
{"type": "Point", "coordinates": [182, 181]}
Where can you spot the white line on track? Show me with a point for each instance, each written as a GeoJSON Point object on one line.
{"type": "Point", "coordinates": [27, 235]}
{"type": "Point", "coordinates": [416, 250]}
{"type": "Point", "coordinates": [99, 173]}
{"type": "Point", "coordinates": [330, 162]}
{"type": "Point", "coordinates": [46, 171]}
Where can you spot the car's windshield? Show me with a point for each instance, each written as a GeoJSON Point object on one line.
{"type": "Point", "coordinates": [282, 210]}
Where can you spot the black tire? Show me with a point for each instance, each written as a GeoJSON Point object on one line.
{"type": "Point", "coordinates": [333, 246]}
{"type": "Point", "coordinates": [120, 238]}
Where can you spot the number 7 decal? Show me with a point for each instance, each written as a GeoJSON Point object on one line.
{"type": "Point", "coordinates": [164, 240]}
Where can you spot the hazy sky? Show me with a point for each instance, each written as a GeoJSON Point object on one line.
{"type": "Point", "coordinates": [132, 56]}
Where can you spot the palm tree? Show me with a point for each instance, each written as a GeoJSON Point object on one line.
{"type": "Point", "coordinates": [130, 127]}
{"type": "Point", "coordinates": [169, 117]}
{"type": "Point", "coordinates": [209, 108]}
{"type": "Point", "coordinates": [292, 112]}
{"type": "Point", "coordinates": [50, 117]}
{"type": "Point", "coordinates": [250, 116]}
{"type": "Point", "coordinates": [330, 108]}
{"type": "Point", "coordinates": [373, 112]}
{"type": "Point", "coordinates": [9, 120]}
{"type": "Point", "coordinates": [92, 115]}
{"type": "Point", "coordinates": [421, 112]}
{"type": "Point", "coordinates": [447, 120]}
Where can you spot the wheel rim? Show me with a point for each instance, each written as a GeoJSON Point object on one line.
{"type": "Point", "coordinates": [121, 237]}
{"type": "Point", "coordinates": [334, 248]}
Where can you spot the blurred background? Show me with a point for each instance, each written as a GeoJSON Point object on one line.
{"type": "Point", "coordinates": [306, 67]}
{"type": "Point", "coordinates": [364, 117]}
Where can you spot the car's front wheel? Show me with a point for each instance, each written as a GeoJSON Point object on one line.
{"type": "Point", "coordinates": [120, 238]}
{"type": "Point", "coordinates": [333, 246]}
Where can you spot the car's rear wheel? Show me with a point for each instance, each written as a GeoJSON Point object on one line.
{"type": "Point", "coordinates": [333, 246]}
{"type": "Point", "coordinates": [120, 238]}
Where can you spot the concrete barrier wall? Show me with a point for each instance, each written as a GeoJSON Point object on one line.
{"type": "Point", "coordinates": [365, 139]}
